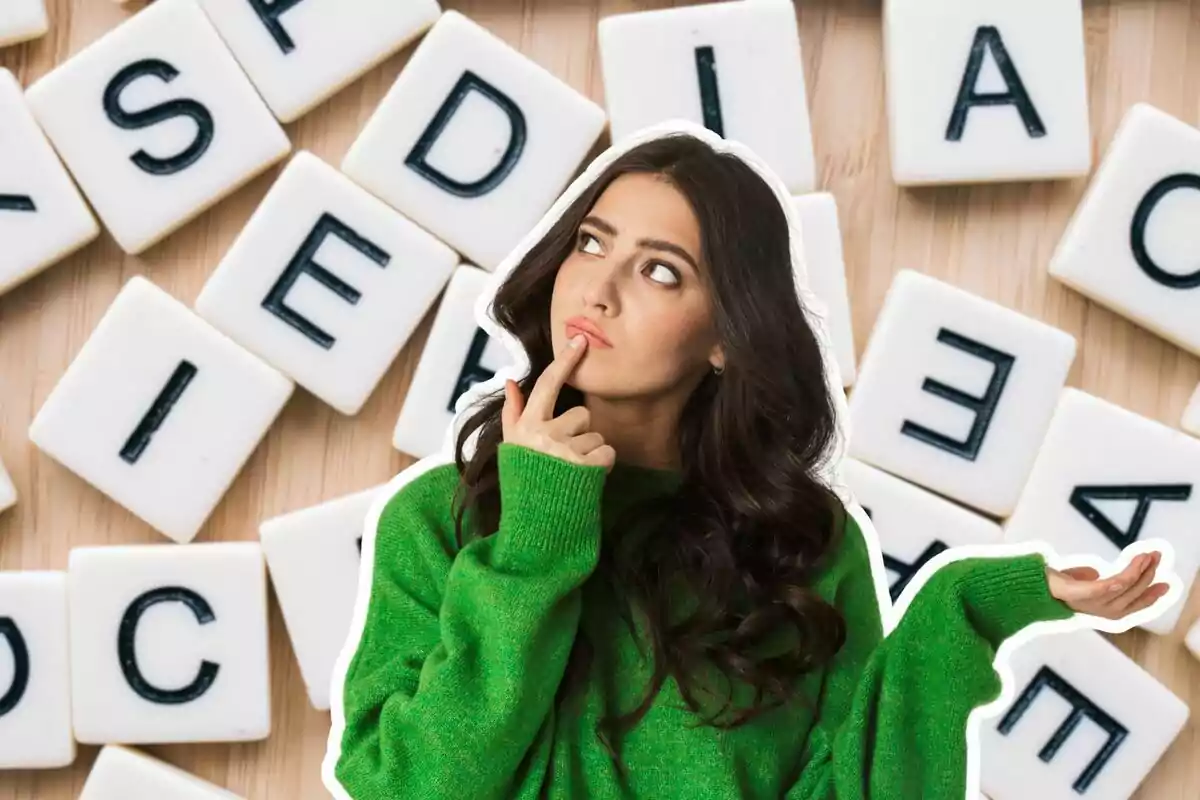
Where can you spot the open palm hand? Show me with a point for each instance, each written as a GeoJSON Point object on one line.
{"type": "Point", "coordinates": [1116, 596]}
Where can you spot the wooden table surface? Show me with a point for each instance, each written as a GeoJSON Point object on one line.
{"type": "Point", "coordinates": [994, 241]}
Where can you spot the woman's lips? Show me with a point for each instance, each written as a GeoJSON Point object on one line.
{"type": "Point", "coordinates": [593, 339]}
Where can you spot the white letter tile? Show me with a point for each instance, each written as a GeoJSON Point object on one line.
{"type": "Point", "coordinates": [159, 410]}
{"type": "Point", "coordinates": [169, 643]}
{"type": "Point", "coordinates": [35, 675]}
{"type": "Point", "coordinates": [954, 392]}
{"type": "Point", "coordinates": [1191, 414]}
{"type": "Point", "coordinates": [822, 240]}
{"type": "Point", "coordinates": [457, 355]}
{"type": "Point", "coordinates": [43, 217]}
{"type": "Point", "coordinates": [299, 53]}
{"type": "Point", "coordinates": [980, 90]}
{"type": "Point", "coordinates": [125, 773]}
{"type": "Point", "coordinates": [156, 121]}
{"type": "Point", "coordinates": [1105, 478]}
{"type": "Point", "coordinates": [8, 492]}
{"type": "Point", "coordinates": [21, 20]}
{"type": "Point", "coordinates": [326, 282]}
{"type": "Point", "coordinates": [734, 68]}
{"type": "Point", "coordinates": [313, 557]}
{"type": "Point", "coordinates": [1085, 721]}
{"type": "Point", "coordinates": [913, 525]}
{"type": "Point", "coordinates": [1131, 244]}
{"type": "Point", "coordinates": [474, 141]}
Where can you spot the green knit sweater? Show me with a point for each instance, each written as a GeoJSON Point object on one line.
{"type": "Point", "coordinates": [450, 691]}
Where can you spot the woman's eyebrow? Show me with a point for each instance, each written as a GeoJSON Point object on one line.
{"type": "Point", "coordinates": [654, 244]}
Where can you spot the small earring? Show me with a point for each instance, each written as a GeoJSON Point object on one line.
{"type": "Point", "coordinates": [718, 370]}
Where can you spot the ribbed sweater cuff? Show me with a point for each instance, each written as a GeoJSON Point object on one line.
{"type": "Point", "coordinates": [1008, 593]}
{"type": "Point", "coordinates": [548, 506]}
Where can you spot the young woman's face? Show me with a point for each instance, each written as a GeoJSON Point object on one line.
{"type": "Point", "coordinates": [634, 271]}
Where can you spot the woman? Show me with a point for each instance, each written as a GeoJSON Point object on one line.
{"type": "Point", "coordinates": [640, 583]}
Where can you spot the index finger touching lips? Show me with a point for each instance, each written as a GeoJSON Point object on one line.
{"type": "Point", "coordinates": [550, 382]}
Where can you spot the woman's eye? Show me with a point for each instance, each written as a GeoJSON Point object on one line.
{"type": "Point", "coordinates": [583, 238]}
{"type": "Point", "coordinates": [672, 274]}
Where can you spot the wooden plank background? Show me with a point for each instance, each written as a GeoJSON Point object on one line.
{"type": "Point", "coordinates": [994, 241]}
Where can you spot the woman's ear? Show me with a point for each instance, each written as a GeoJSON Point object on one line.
{"type": "Point", "coordinates": [717, 358]}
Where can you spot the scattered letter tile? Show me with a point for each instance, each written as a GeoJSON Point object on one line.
{"type": "Point", "coordinates": [734, 68]}
{"type": "Point", "coordinates": [125, 773]}
{"type": "Point", "coordinates": [474, 141]}
{"type": "Point", "coordinates": [1084, 721]}
{"type": "Point", "coordinates": [981, 90]}
{"type": "Point", "coordinates": [35, 675]}
{"type": "Point", "coordinates": [43, 217]}
{"type": "Point", "coordinates": [156, 121]}
{"type": "Point", "coordinates": [299, 53]}
{"type": "Point", "coordinates": [1105, 478]}
{"type": "Point", "coordinates": [1131, 244]}
{"type": "Point", "coordinates": [954, 392]}
{"type": "Point", "coordinates": [457, 355]}
{"type": "Point", "coordinates": [169, 643]}
{"type": "Point", "coordinates": [326, 282]}
{"type": "Point", "coordinates": [159, 410]}
{"type": "Point", "coordinates": [317, 546]}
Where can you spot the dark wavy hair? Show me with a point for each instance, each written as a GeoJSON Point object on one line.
{"type": "Point", "coordinates": [748, 527]}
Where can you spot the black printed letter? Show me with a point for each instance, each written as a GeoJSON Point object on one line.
{"type": "Point", "coordinates": [472, 371]}
{"type": "Point", "coordinates": [710, 97]}
{"type": "Point", "coordinates": [907, 571]}
{"type": "Point", "coordinates": [988, 38]}
{"type": "Point", "coordinates": [20, 653]}
{"type": "Point", "coordinates": [128, 655]}
{"type": "Point", "coordinates": [269, 13]}
{"type": "Point", "coordinates": [16, 202]}
{"type": "Point", "coordinates": [302, 262]}
{"type": "Point", "coordinates": [983, 407]}
{"type": "Point", "coordinates": [516, 140]}
{"type": "Point", "coordinates": [134, 120]}
{"type": "Point", "coordinates": [1081, 706]}
{"type": "Point", "coordinates": [1137, 231]}
{"type": "Point", "coordinates": [1082, 496]}
{"type": "Point", "coordinates": [139, 440]}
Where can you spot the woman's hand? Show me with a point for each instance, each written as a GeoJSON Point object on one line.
{"type": "Point", "coordinates": [1114, 597]}
{"type": "Point", "coordinates": [565, 436]}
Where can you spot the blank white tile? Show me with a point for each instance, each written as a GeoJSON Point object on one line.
{"type": "Point", "coordinates": [822, 241]}
{"type": "Point", "coordinates": [734, 67]}
{"type": "Point", "coordinates": [159, 410]}
{"type": "Point", "coordinates": [457, 355]}
{"type": "Point", "coordinates": [43, 217]}
{"type": "Point", "coordinates": [317, 546]}
{"type": "Point", "coordinates": [326, 282]}
{"type": "Point", "coordinates": [1131, 244]}
{"type": "Point", "coordinates": [156, 121]}
{"type": "Point", "coordinates": [8, 492]}
{"type": "Point", "coordinates": [474, 140]}
{"type": "Point", "coordinates": [1099, 465]}
{"type": "Point", "coordinates": [1057, 675]}
{"type": "Point", "coordinates": [976, 449]}
{"type": "Point", "coordinates": [1192, 640]}
{"type": "Point", "coordinates": [1191, 414]}
{"type": "Point", "coordinates": [35, 675]}
{"type": "Point", "coordinates": [298, 54]}
{"type": "Point", "coordinates": [914, 525]}
{"type": "Point", "coordinates": [21, 20]}
{"type": "Point", "coordinates": [169, 643]}
{"type": "Point", "coordinates": [983, 91]}
{"type": "Point", "coordinates": [126, 773]}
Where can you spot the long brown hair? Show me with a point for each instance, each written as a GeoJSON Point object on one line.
{"type": "Point", "coordinates": [750, 522]}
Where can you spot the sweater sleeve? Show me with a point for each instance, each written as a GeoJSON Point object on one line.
{"type": "Point", "coordinates": [449, 685]}
{"type": "Point", "coordinates": [892, 720]}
